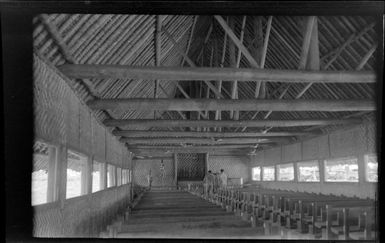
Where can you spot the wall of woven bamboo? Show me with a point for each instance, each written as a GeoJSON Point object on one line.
{"type": "Point", "coordinates": [234, 167]}
{"type": "Point", "coordinates": [355, 141]}
{"type": "Point", "coordinates": [63, 120]}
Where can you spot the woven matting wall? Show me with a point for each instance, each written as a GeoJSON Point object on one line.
{"type": "Point", "coordinates": [191, 166]}
{"type": "Point", "coordinates": [83, 216]}
{"type": "Point", "coordinates": [62, 119]}
{"type": "Point", "coordinates": [234, 167]}
{"type": "Point", "coordinates": [356, 141]}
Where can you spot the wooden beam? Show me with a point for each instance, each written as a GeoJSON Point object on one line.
{"type": "Point", "coordinates": [244, 105]}
{"type": "Point", "coordinates": [145, 123]}
{"type": "Point", "coordinates": [366, 58]}
{"type": "Point", "coordinates": [215, 152]}
{"type": "Point", "coordinates": [168, 147]}
{"type": "Point", "coordinates": [306, 42]}
{"type": "Point", "coordinates": [158, 52]}
{"type": "Point", "coordinates": [146, 133]}
{"type": "Point", "coordinates": [214, 73]}
{"type": "Point", "coordinates": [190, 62]}
{"type": "Point", "coordinates": [192, 140]}
{"type": "Point", "coordinates": [236, 41]}
{"type": "Point", "coordinates": [234, 91]}
{"type": "Point", "coordinates": [153, 158]}
{"type": "Point", "coordinates": [190, 38]}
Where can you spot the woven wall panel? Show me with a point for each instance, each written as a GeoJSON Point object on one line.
{"type": "Point", "coordinates": [257, 159]}
{"type": "Point", "coordinates": [99, 147]}
{"type": "Point", "coordinates": [235, 167]}
{"type": "Point", "coordinates": [142, 167]}
{"type": "Point", "coordinates": [191, 166]}
{"type": "Point", "coordinates": [75, 212]}
{"type": "Point", "coordinates": [49, 111]}
{"type": "Point", "coordinates": [85, 129]}
{"type": "Point", "coordinates": [72, 121]}
{"type": "Point", "coordinates": [47, 223]}
{"type": "Point", "coordinates": [272, 156]}
{"type": "Point", "coordinates": [291, 152]}
{"type": "Point", "coordinates": [347, 142]}
{"type": "Point", "coordinates": [371, 137]}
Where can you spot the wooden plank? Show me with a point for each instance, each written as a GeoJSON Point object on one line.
{"type": "Point", "coordinates": [146, 133]}
{"type": "Point", "coordinates": [214, 73]}
{"type": "Point", "coordinates": [225, 123]}
{"type": "Point", "coordinates": [167, 104]}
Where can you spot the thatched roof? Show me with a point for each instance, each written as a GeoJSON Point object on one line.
{"type": "Point", "coordinates": [345, 43]}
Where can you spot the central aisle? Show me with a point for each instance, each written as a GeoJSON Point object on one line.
{"type": "Point", "coordinates": [169, 214]}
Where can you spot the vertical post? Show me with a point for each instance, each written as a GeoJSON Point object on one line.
{"type": "Point", "coordinates": [62, 174]}
{"type": "Point", "coordinates": [175, 170]}
{"type": "Point", "coordinates": [89, 174]}
{"type": "Point", "coordinates": [131, 176]}
{"type": "Point", "coordinates": [84, 178]}
{"type": "Point", "coordinates": [52, 193]}
{"type": "Point", "coordinates": [103, 176]}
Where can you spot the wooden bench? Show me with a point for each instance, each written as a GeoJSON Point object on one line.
{"type": "Point", "coordinates": [332, 214]}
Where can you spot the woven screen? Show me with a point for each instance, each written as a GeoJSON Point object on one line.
{"type": "Point", "coordinates": [191, 166]}
{"type": "Point", "coordinates": [60, 116]}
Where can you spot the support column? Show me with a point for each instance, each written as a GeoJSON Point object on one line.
{"type": "Point", "coordinates": [207, 162]}
{"type": "Point", "coordinates": [53, 174]}
{"type": "Point", "coordinates": [176, 170]}
{"type": "Point", "coordinates": [103, 176]}
{"type": "Point", "coordinates": [62, 165]}
{"type": "Point", "coordinates": [131, 176]}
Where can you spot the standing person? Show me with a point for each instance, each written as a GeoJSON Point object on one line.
{"type": "Point", "coordinates": [149, 179]}
{"type": "Point", "coordinates": [206, 184]}
{"type": "Point", "coordinates": [162, 172]}
{"type": "Point", "coordinates": [223, 177]}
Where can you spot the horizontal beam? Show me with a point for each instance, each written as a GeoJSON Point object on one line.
{"type": "Point", "coordinates": [147, 123]}
{"type": "Point", "coordinates": [190, 140]}
{"type": "Point", "coordinates": [212, 152]}
{"type": "Point", "coordinates": [136, 133]}
{"type": "Point", "coordinates": [215, 73]}
{"type": "Point", "coordinates": [166, 104]}
{"type": "Point", "coordinates": [168, 147]}
{"type": "Point", "coordinates": [153, 158]}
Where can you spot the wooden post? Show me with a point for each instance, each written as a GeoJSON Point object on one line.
{"type": "Point", "coordinates": [62, 174]}
{"type": "Point", "coordinates": [53, 174]}
{"type": "Point", "coordinates": [103, 175]}
{"type": "Point", "coordinates": [175, 170]}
